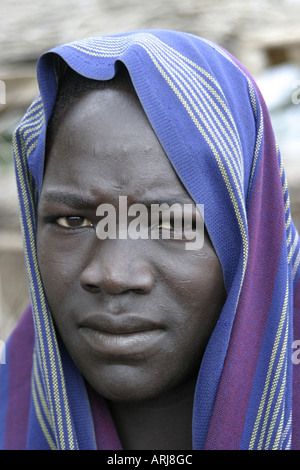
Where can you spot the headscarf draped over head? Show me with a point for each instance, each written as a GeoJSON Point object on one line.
{"type": "Point", "coordinates": [213, 124]}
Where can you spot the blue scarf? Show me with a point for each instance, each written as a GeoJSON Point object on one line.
{"type": "Point", "coordinates": [214, 126]}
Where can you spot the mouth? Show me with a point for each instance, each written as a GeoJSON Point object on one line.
{"type": "Point", "coordinates": [126, 336]}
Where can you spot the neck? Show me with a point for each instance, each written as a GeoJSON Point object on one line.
{"type": "Point", "coordinates": [162, 423]}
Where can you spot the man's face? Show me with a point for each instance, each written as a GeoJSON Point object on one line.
{"type": "Point", "coordinates": [135, 315]}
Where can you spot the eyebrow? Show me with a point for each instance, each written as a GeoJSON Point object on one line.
{"type": "Point", "coordinates": [170, 199]}
{"type": "Point", "coordinates": [87, 202]}
{"type": "Point", "coordinates": [69, 199]}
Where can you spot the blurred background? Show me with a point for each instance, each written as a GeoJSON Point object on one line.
{"type": "Point", "coordinates": [263, 34]}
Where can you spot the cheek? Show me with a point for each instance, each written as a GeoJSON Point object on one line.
{"type": "Point", "coordinates": [60, 265]}
{"type": "Point", "coordinates": [196, 286]}
{"type": "Point", "coordinates": [196, 280]}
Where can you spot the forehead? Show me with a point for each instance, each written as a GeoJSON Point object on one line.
{"type": "Point", "coordinates": [104, 141]}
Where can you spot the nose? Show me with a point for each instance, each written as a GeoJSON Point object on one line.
{"type": "Point", "coordinates": [116, 267]}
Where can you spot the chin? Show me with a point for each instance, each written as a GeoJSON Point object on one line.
{"type": "Point", "coordinates": [126, 387]}
{"type": "Point", "coordinates": [127, 393]}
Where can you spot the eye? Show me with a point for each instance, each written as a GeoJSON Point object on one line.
{"type": "Point", "coordinates": [179, 228]}
{"type": "Point", "coordinates": [172, 227]}
{"type": "Point", "coordinates": [73, 222]}
{"type": "Point", "coordinates": [167, 225]}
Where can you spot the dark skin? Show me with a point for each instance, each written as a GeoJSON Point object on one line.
{"type": "Point", "coordinates": [135, 315]}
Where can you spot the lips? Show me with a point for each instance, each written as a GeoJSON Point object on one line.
{"type": "Point", "coordinates": [119, 324]}
{"type": "Point", "coordinates": [122, 335]}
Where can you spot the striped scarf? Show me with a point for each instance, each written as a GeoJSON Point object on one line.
{"type": "Point", "coordinates": [214, 126]}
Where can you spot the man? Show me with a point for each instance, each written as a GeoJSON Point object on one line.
{"type": "Point", "coordinates": [141, 342]}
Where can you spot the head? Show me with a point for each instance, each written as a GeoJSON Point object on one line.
{"type": "Point", "coordinates": [134, 314]}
